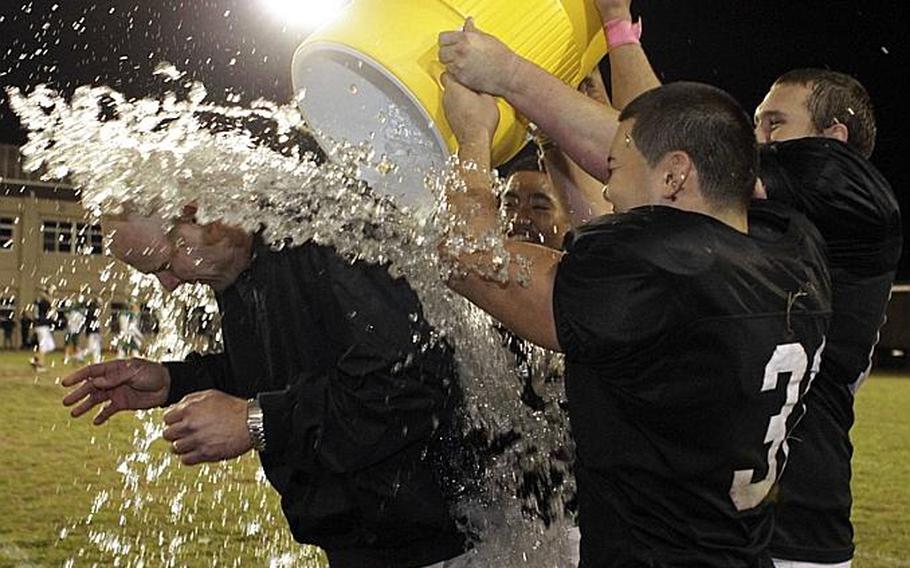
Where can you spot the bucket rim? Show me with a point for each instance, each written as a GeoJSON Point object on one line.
{"type": "Point", "coordinates": [324, 45]}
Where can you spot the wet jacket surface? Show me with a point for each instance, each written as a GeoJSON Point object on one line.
{"type": "Point", "coordinates": [356, 400]}
{"type": "Point", "coordinates": [856, 212]}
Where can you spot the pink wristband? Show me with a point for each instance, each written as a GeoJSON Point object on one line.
{"type": "Point", "coordinates": [622, 32]}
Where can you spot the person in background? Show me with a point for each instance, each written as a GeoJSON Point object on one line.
{"type": "Point", "coordinates": [93, 340]}
{"type": "Point", "coordinates": [44, 325]}
{"type": "Point", "coordinates": [584, 194]}
{"type": "Point", "coordinates": [75, 321]}
{"type": "Point", "coordinates": [129, 338]}
{"type": "Point", "coordinates": [534, 211]}
{"type": "Point", "coordinates": [8, 323]}
{"type": "Point", "coordinates": [818, 130]}
{"type": "Point", "coordinates": [25, 330]}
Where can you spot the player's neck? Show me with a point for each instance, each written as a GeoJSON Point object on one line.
{"type": "Point", "coordinates": [736, 219]}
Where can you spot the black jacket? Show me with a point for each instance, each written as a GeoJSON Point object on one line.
{"type": "Point", "coordinates": [357, 396]}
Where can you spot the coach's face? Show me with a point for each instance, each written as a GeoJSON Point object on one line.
{"type": "Point", "coordinates": [628, 181]}
{"type": "Point", "coordinates": [186, 254]}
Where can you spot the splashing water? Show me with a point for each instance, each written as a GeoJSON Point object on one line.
{"type": "Point", "coordinates": [156, 512]}
{"type": "Point", "coordinates": [158, 155]}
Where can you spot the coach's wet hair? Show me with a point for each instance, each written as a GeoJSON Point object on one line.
{"type": "Point", "coordinates": [707, 124]}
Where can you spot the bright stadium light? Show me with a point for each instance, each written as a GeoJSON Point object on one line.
{"type": "Point", "coordinates": [307, 14]}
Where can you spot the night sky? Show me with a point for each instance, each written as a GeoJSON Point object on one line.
{"type": "Point", "coordinates": [237, 46]}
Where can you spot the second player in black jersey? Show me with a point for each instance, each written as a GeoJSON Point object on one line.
{"type": "Point", "coordinates": [689, 349]}
{"type": "Point", "coordinates": [856, 212]}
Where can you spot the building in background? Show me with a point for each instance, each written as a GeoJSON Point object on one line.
{"type": "Point", "coordinates": [48, 243]}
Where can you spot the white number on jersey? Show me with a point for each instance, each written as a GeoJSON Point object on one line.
{"type": "Point", "coordinates": [788, 359]}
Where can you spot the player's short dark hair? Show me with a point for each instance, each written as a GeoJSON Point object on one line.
{"type": "Point", "coordinates": [837, 98]}
{"type": "Point", "coordinates": [527, 161]}
{"type": "Point", "coordinates": [707, 124]}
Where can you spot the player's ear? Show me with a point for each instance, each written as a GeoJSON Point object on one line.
{"type": "Point", "coordinates": [837, 131]}
{"type": "Point", "coordinates": [676, 168]}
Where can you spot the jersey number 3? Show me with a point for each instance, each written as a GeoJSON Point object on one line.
{"type": "Point", "coordinates": [789, 359]}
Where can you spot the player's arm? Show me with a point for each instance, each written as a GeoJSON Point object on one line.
{"type": "Point", "coordinates": [582, 192]}
{"type": "Point", "coordinates": [580, 126]}
{"type": "Point", "coordinates": [523, 302]}
{"type": "Point", "coordinates": [631, 73]}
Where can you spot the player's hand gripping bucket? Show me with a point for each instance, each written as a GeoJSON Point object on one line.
{"type": "Point", "coordinates": [372, 75]}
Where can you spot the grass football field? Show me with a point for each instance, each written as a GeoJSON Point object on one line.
{"type": "Point", "coordinates": [76, 495]}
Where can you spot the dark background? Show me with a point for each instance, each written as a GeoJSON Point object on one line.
{"type": "Point", "coordinates": [238, 46]}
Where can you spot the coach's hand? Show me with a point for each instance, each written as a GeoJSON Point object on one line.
{"type": "Point", "coordinates": [208, 426]}
{"type": "Point", "coordinates": [478, 60]}
{"type": "Point", "coordinates": [126, 384]}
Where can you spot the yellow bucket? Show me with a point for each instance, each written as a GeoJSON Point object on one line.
{"type": "Point", "coordinates": [372, 75]}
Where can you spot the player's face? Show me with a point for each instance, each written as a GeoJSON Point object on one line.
{"type": "Point", "coordinates": [784, 114]}
{"type": "Point", "coordinates": [533, 212]}
{"type": "Point", "coordinates": [629, 179]}
{"type": "Point", "coordinates": [175, 258]}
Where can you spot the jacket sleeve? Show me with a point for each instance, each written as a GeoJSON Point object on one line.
{"type": "Point", "coordinates": [353, 417]}
{"type": "Point", "coordinates": [385, 381]}
{"type": "Point", "coordinates": [198, 373]}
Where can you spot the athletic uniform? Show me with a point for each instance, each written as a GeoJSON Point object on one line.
{"type": "Point", "coordinates": [93, 331]}
{"type": "Point", "coordinates": [44, 325]}
{"type": "Point", "coordinates": [689, 347]}
{"type": "Point", "coordinates": [75, 319]}
{"type": "Point", "coordinates": [855, 211]}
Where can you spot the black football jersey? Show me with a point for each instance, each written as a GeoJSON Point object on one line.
{"type": "Point", "coordinates": [43, 311]}
{"type": "Point", "coordinates": [689, 348]}
{"type": "Point", "coordinates": [858, 216]}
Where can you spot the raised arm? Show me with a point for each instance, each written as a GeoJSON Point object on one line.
{"type": "Point", "coordinates": [524, 302]}
{"type": "Point", "coordinates": [630, 71]}
{"type": "Point", "coordinates": [580, 126]}
{"type": "Point", "coordinates": [583, 193]}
